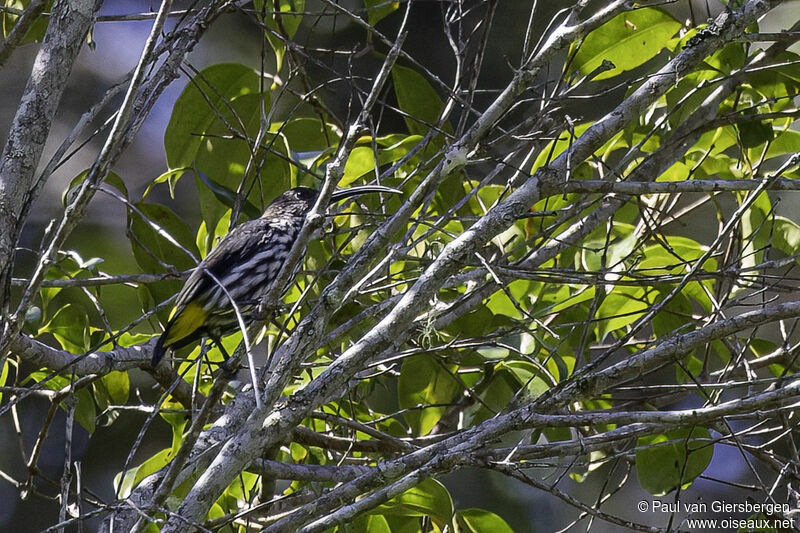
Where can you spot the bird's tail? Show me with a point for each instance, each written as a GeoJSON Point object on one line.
{"type": "Point", "coordinates": [184, 326]}
{"type": "Point", "coordinates": [159, 350]}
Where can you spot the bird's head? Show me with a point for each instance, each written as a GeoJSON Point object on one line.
{"type": "Point", "coordinates": [298, 201]}
{"type": "Point", "coordinates": [292, 203]}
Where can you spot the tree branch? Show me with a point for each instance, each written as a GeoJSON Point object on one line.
{"type": "Point", "coordinates": [21, 27]}
{"type": "Point", "coordinates": [260, 433]}
{"type": "Point", "coordinates": [29, 130]}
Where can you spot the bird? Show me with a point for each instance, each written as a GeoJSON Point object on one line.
{"type": "Point", "coordinates": [241, 267]}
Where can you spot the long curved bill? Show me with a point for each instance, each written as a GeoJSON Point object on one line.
{"type": "Point", "coordinates": [341, 194]}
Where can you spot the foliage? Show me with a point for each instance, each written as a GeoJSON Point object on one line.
{"type": "Point", "coordinates": [596, 324]}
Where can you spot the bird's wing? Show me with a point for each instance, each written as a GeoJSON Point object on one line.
{"type": "Point", "coordinates": [230, 251]}
{"type": "Point", "coordinates": [192, 305]}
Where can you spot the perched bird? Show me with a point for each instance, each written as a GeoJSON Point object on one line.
{"type": "Point", "coordinates": [241, 267]}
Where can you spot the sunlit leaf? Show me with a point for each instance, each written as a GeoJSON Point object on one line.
{"type": "Point", "coordinates": [204, 97]}
{"type": "Point", "coordinates": [4, 376]}
{"type": "Point", "coordinates": [481, 521]}
{"type": "Point", "coordinates": [628, 40]}
{"type": "Point", "coordinates": [429, 498]}
{"type": "Point", "coordinates": [124, 485]}
{"type": "Point", "coordinates": [36, 32]}
{"type": "Point", "coordinates": [70, 327]}
{"type": "Point", "coordinates": [285, 21]}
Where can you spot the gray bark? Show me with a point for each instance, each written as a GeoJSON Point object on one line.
{"type": "Point", "coordinates": [69, 23]}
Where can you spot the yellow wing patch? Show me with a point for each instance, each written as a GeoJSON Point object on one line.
{"type": "Point", "coordinates": [186, 322]}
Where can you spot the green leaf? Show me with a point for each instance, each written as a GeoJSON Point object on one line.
{"type": "Point", "coordinates": [360, 162]}
{"type": "Point", "coordinates": [240, 490]}
{"type": "Point", "coordinates": [673, 316]}
{"type": "Point", "coordinates": [218, 511]}
{"type": "Point", "coordinates": [369, 523]}
{"type": "Point", "coordinates": [170, 176]}
{"type": "Point", "coordinates": [688, 93]}
{"type": "Point", "coordinates": [561, 366]}
{"type": "Point", "coordinates": [202, 241]}
{"type": "Point", "coordinates": [362, 158]}
{"type": "Point", "coordinates": [197, 107]}
{"type": "Point", "coordinates": [713, 143]}
{"type": "Point", "coordinates": [417, 98]}
{"type": "Point", "coordinates": [755, 133]}
{"type": "Point", "coordinates": [607, 253]}
{"type": "Point", "coordinates": [553, 150]}
{"type": "Point", "coordinates": [70, 327]}
{"type": "Point", "coordinates": [124, 485]}
{"type": "Point", "coordinates": [526, 375]}
{"type": "Point", "coordinates": [4, 375]}
{"type": "Point", "coordinates": [561, 299]}
{"type": "Point", "coordinates": [495, 397]}
{"type": "Point", "coordinates": [429, 498]}
{"type": "Point", "coordinates": [620, 309]}
{"type": "Point", "coordinates": [676, 257]}
{"type": "Point", "coordinates": [499, 303]}
{"type": "Point", "coordinates": [628, 40]}
{"type": "Point", "coordinates": [212, 209]}
{"type": "Point", "coordinates": [781, 79]}
{"type": "Point", "coordinates": [664, 467]}
{"type": "Point", "coordinates": [224, 157]}
{"type": "Point", "coordinates": [111, 389]}
{"type": "Point", "coordinates": [127, 339]}
{"type": "Point", "coordinates": [224, 160]}
{"type": "Point", "coordinates": [785, 143]}
{"type": "Point", "coordinates": [731, 57]}
{"type": "Point", "coordinates": [481, 521]}
{"type": "Point", "coordinates": [36, 31]}
{"type": "Point", "coordinates": [304, 134]}
{"type": "Point", "coordinates": [160, 235]}
{"type": "Point", "coordinates": [756, 230]}
{"type": "Point", "coordinates": [85, 412]}
{"type": "Point", "coordinates": [474, 323]}
{"type": "Point", "coordinates": [118, 386]}
{"type": "Point", "coordinates": [679, 253]}
{"type": "Point", "coordinates": [160, 242]}
{"type": "Point", "coordinates": [691, 366]}
{"type": "Point", "coordinates": [786, 235]}
{"type": "Point", "coordinates": [227, 197]}
{"type": "Point", "coordinates": [308, 141]}
{"type": "Point", "coordinates": [283, 23]}
{"type": "Point", "coordinates": [677, 172]}
{"type": "Point", "coordinates": [177, 422]}
{"type": "Point", "coordinates": [424, 382]}
{"type": "Point", "coordinates": [112, 178]}
{"type": "Point", "coordinates": [378, 9]}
